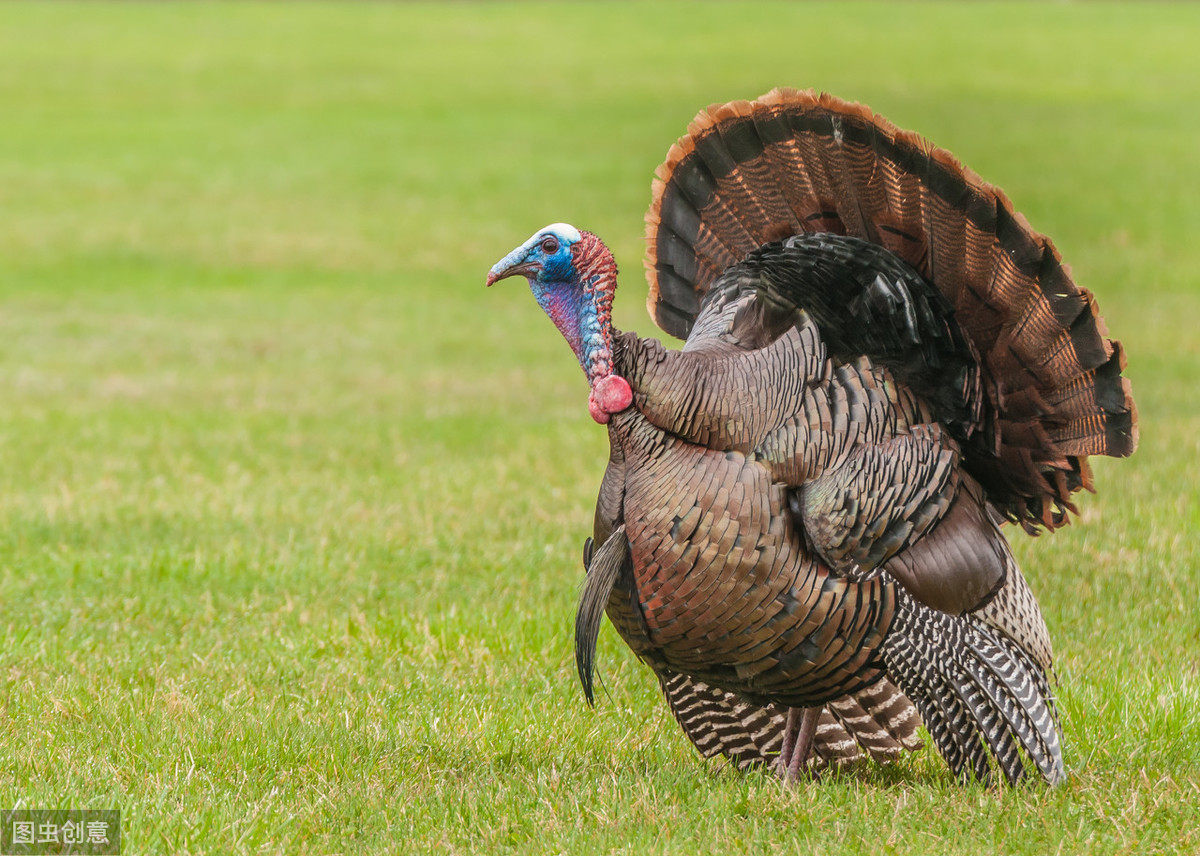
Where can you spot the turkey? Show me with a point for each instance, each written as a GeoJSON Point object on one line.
{"type": "Point", "coordinates": [799, 526]}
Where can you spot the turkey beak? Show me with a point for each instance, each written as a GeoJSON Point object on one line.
{"type": "Point", "coordinates": [507, 267]}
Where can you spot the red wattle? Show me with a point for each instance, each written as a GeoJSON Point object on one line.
{"type": "Point", "coordinates": [594, 409]}
{"type": "Point", "coordinates": [610, 394]}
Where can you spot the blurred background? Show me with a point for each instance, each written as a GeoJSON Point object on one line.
{"type": "Point", "coordinates": [293, 507]}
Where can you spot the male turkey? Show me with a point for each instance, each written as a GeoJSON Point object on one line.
{"type": "Point", "coordinates": [798, 528]}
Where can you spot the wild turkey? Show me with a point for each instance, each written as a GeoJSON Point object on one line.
{"type": "Point", "coordinates": [798, 528]}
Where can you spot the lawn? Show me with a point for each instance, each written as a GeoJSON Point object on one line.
{"type": "Point", "coordinates": [292, 506]}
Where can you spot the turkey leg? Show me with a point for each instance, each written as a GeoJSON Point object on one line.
{"type": "Point", "coordinates": [798, 736]}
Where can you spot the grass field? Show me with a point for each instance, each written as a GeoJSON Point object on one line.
{"type": "Point", "coordinates": [292, 506]}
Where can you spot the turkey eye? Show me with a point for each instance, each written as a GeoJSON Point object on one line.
{"type": "Point", "coordinates": [550, 245]}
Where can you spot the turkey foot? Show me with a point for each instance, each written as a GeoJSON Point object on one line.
{"type": "Point", "coordinates": [798, 736]}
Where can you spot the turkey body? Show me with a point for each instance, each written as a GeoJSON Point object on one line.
{"type": "Point", "coordinates": [727, 591]}
{"type": "Point", "coordinates": [789, 518]}
{"type": "Point", "coordinates": [799, 526]}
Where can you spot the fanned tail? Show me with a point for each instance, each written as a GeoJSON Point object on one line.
{"type": "Point", "coordinates": [984, 700]}
{"type": "Point", "coordinates": [748, 173]}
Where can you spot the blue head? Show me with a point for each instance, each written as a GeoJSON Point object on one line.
{"type": "Point", "coordinates": [573, 277]}
{"type": "Point", "coordinates": [544, 258]}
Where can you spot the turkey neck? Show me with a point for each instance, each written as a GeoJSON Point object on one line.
{"type": "Point", "coordinates": [595, 346]}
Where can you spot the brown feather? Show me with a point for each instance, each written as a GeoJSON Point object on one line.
{"type": "Point", "coordinates": [751, 172]}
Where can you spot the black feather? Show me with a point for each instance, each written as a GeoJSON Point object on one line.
{"type": "Point", "coordinates": [868, 302]}
{"type": "Point", "coordinates": [604, 568]}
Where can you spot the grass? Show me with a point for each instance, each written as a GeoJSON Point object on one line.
{"type": "Point", "coordinates": [292, 507]}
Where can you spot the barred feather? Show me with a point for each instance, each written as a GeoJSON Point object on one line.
{"type": "Point", "coordinates": [982, 698]}
{"type": "Point", "coordinates": [878, 722]}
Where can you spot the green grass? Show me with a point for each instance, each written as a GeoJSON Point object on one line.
{"type": "Point", "coordinates": [292, 507]}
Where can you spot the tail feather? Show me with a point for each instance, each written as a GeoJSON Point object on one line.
{"type": "Point", "coordinates": [749, 173]}
{"type": "Point", "coordinates": [983, 699]}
